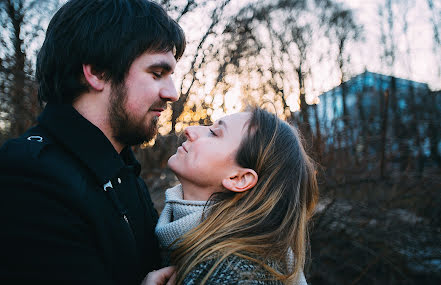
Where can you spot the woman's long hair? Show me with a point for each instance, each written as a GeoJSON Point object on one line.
{"type": "Point", "coordinates": [267, 222]}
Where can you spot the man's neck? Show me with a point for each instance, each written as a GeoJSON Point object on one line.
{"type": "Point", "coordinates": [93, 108]}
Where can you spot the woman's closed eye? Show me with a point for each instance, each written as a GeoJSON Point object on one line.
{"type": "Point", "coordinates": [213, 133]}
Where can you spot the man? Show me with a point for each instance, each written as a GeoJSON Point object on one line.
{"type": "Point", "coordinates": [74, 209]}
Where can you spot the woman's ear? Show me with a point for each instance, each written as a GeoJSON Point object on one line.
{"type": "Point", "coordinates": [241, 181]}
{"type": "Point", "coordinates": [94, 78]}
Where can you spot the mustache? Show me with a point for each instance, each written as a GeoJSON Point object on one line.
{"type": "Point", "coordinates": [160, 105]}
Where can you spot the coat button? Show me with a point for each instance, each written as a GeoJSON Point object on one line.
{"type": "Point", "coordinates": [35, 138]}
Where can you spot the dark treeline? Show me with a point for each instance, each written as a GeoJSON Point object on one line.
{"type": "Point", "coordinates": [376, 138]}
{"type": "Point", "coordinates": [380, 184]}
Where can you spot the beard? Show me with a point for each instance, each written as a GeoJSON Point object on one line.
{"type": "Point", "coordinates": [126, 129]}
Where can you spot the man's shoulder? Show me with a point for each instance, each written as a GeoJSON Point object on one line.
{"type": "Point", "coordinates": [35, 147]}
{"type": "Point", "coordinates": [37, 158]}
{"type": "Point", "coordinates": [28, 146]}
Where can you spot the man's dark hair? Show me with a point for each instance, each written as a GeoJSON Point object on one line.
{"type": "Point", "coordinates": [109, 35]}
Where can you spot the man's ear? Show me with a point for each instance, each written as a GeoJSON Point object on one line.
{"type": "Point", "coordinates": [241, 181]}
{"type": "Point", "coordinates": [94, 78]}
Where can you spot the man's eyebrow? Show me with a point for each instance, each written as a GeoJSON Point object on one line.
{"type": "Point", "coordinates": [162, 64]}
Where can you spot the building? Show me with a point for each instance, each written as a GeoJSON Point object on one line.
{"type": "Point", "coordinates": [372, 109]}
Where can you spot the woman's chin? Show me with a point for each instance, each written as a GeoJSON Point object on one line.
{"type": "Point", "coordinates": [171, 162]}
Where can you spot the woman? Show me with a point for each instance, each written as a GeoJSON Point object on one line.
{"type": "Point", "coordinates": [240, 215]}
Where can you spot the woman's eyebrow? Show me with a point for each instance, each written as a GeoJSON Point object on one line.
{"type": "Point", "coordinates": [222, 123]}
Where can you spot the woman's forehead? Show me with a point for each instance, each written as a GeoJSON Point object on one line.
{"type": "Point", "coordinates": [235, 125]}
{"type": "Point", "coordinates": [236, 118]}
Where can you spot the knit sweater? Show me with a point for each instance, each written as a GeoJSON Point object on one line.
{"type": "Point", "coordinates": [178, 217]}
{"type": "Point", "coordinates": [233, 270]}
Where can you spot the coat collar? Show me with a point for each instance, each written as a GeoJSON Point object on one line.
{"type": "Point", "coordinates": [87, 142]}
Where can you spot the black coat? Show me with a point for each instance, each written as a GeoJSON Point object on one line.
{"type": "Point", "coordinates": [73, 210]}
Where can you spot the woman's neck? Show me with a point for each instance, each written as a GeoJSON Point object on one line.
{"type": "Point", "coordinates": [194, 192]}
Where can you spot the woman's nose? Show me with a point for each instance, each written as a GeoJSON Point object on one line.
{"type": "Point", "coordinates": [190, 133]}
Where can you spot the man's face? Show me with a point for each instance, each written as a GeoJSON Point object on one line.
{"type": "Point", "coordinates": [136, 105]}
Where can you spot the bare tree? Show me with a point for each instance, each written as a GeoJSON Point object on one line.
{"type": "Point", "coordinates": [436, 23]}
{"type": "Point", "coordinates": [345, 31]}
{"type": "Point", "coordinates": [200, 55]}
{"type": "Point", "coordinates": [23, 24]}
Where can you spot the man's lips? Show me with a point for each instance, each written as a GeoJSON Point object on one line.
{"type": "Point", "coordinates": [157, 109]}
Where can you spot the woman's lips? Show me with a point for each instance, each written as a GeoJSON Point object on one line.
{"type": "Point", "coordinates": [183, 147]}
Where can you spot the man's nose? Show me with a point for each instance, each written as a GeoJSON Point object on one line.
{"type": "Point", "coordinates": [168, 91]}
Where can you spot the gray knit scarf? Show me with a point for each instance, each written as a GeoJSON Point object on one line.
{"type": "Point", "coordinates": [178, 216]}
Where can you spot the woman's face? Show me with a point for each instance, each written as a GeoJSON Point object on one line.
{"type": "Point", "coordinates": [208, 155]}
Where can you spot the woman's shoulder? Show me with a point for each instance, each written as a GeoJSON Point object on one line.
{"type": "Point", "coordinates": [232, 270]}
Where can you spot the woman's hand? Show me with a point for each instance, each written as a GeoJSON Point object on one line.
{"type": "Point", "coordinates": [163, 276]}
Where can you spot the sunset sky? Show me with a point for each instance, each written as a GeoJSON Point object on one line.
{"type": "Point", "coordinates": [416, 58]}
{"type": "Point", "coordinates": [422, 66]}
